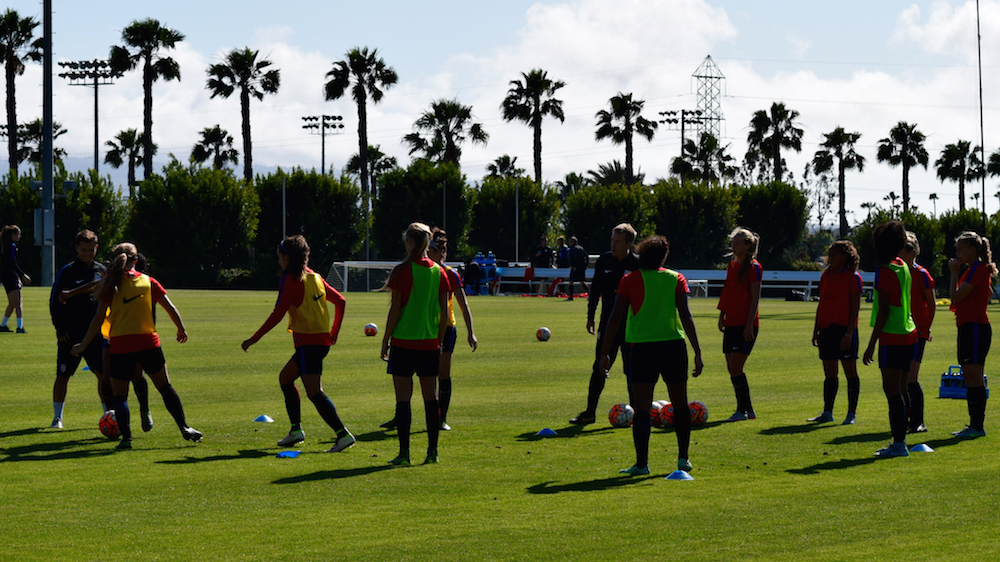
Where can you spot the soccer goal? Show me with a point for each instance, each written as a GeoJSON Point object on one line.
{"type": "Point", "coordinates": [359, 275]}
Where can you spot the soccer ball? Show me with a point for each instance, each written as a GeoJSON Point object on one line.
{"type": "Point", "coordinates": [699, 412]}
{"type": "Point", "coordinates": [654, 413]}
{"type": "Point", "coordinates": [667, 415]}
{"type": "Point", "coordinates": [371, 329]}
{"type": "Point", "coordinates": [621, 415]}
{"type": "Point", "coordinates": [109, 424]}
{"type": "Point", "coordinates": [543, 334]}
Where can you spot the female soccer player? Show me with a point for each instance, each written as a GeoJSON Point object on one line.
{"type": "Point", "coordinates": [739, 320]}
{"type": "Point", "coordinates": [970, 293]}
{"type": "Point", "coordinates": [418, 319]}
{"type": "Point", "coordinates": [12, 276]}
{"type": "Point", "coordinates": [893, 329]}
{"type": "Point", "coordinates": [835, 332]}
{"type": "Point", "coordinates": [130, 296]}
{"type": "Point", "coordinates": [922, 308]}
{"type": "Point", "coordinates": [659, 320]}
{"type": "Point", "coordinates": [303, 295]}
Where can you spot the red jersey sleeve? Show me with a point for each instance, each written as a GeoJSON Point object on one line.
{"type": "Point", "coordinates": [290, 293]}
{"type": "Point", "coordinates": [156, 290]}
{"type": "Point", "coordinates": [339, 304]}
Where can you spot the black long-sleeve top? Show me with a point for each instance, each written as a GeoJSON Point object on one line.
{"type": "Point", "coordinates": [608, 272]}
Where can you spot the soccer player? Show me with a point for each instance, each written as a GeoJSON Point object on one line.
{"type": "Point", "coordinates": [417, 322]}
{"type": "Point", "coordinates": [608, 272]}
{"type": "Point", "coordinates": [970, 293]}
{"type": "Point", "coordinates": [739, 319]}
{"type": "Point", "coordinates": [922, 309]}
{"type": "Point", "coordinates": [893, 329]}
{"type": "Point", "coordinates": [304, 295]}
{"type": "Point", "coordinates": [72, 310]}
{"type": "Point", "coordinates": [578, 259]}
{"type": "Point", "coordinates": [659, 320]}
{"type": "Point", "coordinates": [835, 332]}
{"type": "Point", "coordinates": [12, 276]}
{"type": "Point", "coordinates": [126, 298]}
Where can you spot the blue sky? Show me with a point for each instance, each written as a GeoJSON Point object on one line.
{"type": "Point", "coordinates": [860, 65]}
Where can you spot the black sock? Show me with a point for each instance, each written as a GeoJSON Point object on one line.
{"type": "Point", "coordinates": [107, 395]}
{"type": "Point", "coordinates": [173, 404]}
{"type": "Point", "coordinates": [142, 394]}
{"type": "Point", "coordinates": [327, 411]}
{"type": "Point", "coordinates": [122, 415]}
{"type": "Point", "coordinates": [682, 428]}
{"type": "Point", "coordinates": [293, 405]}
{"type": "Point", "coordinates": [853, 392]}
{"type": "Point", "coordinates": [742, 389]}
{"type": "Point", "coordinates": [830, 387]}
{"type": "Point", "coordinates": [916, 404]}
{"type": "Point", "coordinates": [432, 414]}
{"type": "Point", "coordinates": [403, 417]}
{"type": "Point", "coordinates": [444, 397]}
{"type": "Point", "coordinates": [597, 380]}
{"type": "Point", "coordinates": [640, 437]}
{"type": "Point", "coordinates": [897, 418]}
{"type": "Point", "coordinates": [977, 407]}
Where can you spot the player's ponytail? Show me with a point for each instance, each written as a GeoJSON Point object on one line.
{"type": "Point", "coordinates": [122, 260]}
{"type": "Point", "coordinates": [296, 249]}
{"type": "Point", "coordinates": [420, 235]}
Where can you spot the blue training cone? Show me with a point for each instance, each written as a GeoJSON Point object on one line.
{"type": "Point", "coordinates": [86, 367]}
{"type": "Point", "coordinates": [679, 475]}
{"type": "Point", "coordinates": [264, 418]}
{"type": "Point", "coordinates": [288, 454]}
{"type": "Point", "coordinates": [921, 448]}
{"type": "Point", "coordinates": [547, 433]}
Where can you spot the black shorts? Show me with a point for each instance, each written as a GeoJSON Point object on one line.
{"type": "Point", "coordinates": [918, 350]}
{"type": "Point", "coordinates": [309, 358]}
{"type": "Point", "coordinates": [580, 276]}
{"type": "Point", "coordinates": [733, 342]}
{"type": "Point", "coordinates": [974, 343]}
{"type": "Point", "coordinates": [618, 343]}
{"type": "Point", "coordinates": [67, 363]}
{"type": "Point", "coordinates": [450, 337]}
{"type": "Point", "coordinates": [404, 362]}
{"type": "Point", "coordinates": [895, 356]}
{"type": "Point", "coordinates": [829, 344]}
{"type": "Point", "coordinates": [11, 282]}
{"type": "Point", "coordinates": [652, 360]}
{"type": "Point", "coordinates": [123, 364]}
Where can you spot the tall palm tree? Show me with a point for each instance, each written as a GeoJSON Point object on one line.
{"type": "Point", "coordinates": [378, 164]}
{"type": "Point", "coordinates": [904, 146]}
{"type": "Point", "coordinates": [529, 101]}
{"type": "Point", "coordinates": [128, 150]}
{"type": "Point", "coordinates": [242, 70]}
{"type": "Point", "coordinates": [143, 40]}
{"type": "Point", "coordinates": [772, 131]}
{"type": "Point", "coordinates": [30, 142]}
{"type": "Point", "coordinates": [448, 125]}
{"type": "Point", "coordinates": [17, 46]}
{"type": "Point", "coordinates": [622, 123]}
{"type": "Point", "coordinates": [216, 144]}
{"type": "Point", "coordinates": [838, 148]}
{"type": "Point", "coordinates": [705, 161]}
{"type": "Point", "coordinates": [959, 162]}
{"type": "Point", "coordinates": [613, 173]}
{"type": "Point", "coordinates": [504, 167]}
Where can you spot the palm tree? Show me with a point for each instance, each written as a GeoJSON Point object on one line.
{"type": "Point", "coordinates": [572, 183]}
{"type": "Point", "coordinates": [891, 197]}
{"type": "Point", "coordinates": [838, 148]}
{"type": "Point", "coordinates": [621, 123]}
{"type": "Point", "coordinates": [448, 124]}
{"type": "Point", "coordinates": [705, 161]}
{"type": "Point", "coordinates": [958, 162]}
{"type": "Point", "coordinates": [869, 205]}
{"type": "Point", "coordinates": [770, 132]}
{"type": "Point", "coordinates": [146, 38]}
{"type": "Point", "coordinates": [17, 46]}
{"type": "Point", "coordinates": [242, 70]}
{"type": "Point", "coordinates": [216, 143]}
{"type": "Point", "coordinates": [904, 146]}
{"type": "Point", "coordinates": [378, 164]}
{"type": "Point", "coordinates": [531, 100]}
{"type": "Point", "coordinates": [129, 149]}
{"type": "Point", "coordinates": [30, 142]}
{"type": "Point", "coordinates": [504, 167]}
{"type": "Point", "coordinates": [614, 173]}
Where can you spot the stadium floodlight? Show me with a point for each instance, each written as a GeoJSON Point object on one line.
{"type": "Point", "coordinates": [319, 125]}
{"type": "Point", "coordinates": [94, 73]}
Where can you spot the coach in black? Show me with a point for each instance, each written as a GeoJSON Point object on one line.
{"type": "Point", "coordinates": [608, 272]}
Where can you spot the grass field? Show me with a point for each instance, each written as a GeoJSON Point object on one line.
{"type": "Point", "coordinates": [776, 488]}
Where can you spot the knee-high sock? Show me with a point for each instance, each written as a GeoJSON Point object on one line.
{"type": "Point", "coordinates": [853, 392]}
{"type": "Point", "coordinates": [142, 394]}
{"type": "Point", "coordinates": [597, 380]}
{"type": "Point", "coordinates": [916, 403]}
{"type": "Point", "coordinates": [173, 404]}
{"type": "Point", "coordinates": [327, 411]}
{"type": "Point", "coordinates": [444, 397]}
{"type": "Point", "coordinates": [432, 414]}
{"type": "Point", "coordinates": [977, 406]}
{"type": "Point", "coordinates": [742, 390]}
{"type": "Point", "coordinates": [682, 428]}
{"type": "Point", "coordinates": [830, 387]}
{"type": "Point", "coordinates": [403, 417]}
{"type": "Point", "coordinates": [122, 415]}
{"type": "Point", "coordinates": [293, 405]}
{"type": "Point", "coordinates": [640, 437]}
{"type": "Point", "coordinates": [897, 418]}
{"type": "Point", "coordinates": [107, 395]}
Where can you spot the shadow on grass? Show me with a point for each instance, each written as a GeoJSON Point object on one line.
{"type": "Point", "coordinates": [568, 431]}
{"type": "Point", "coordinates": [333, 474]}
{"type": "Point", "coordinates": [380, 435]}
{"type": "Point", "coordinates": [792, 429]}
{"type": "Point", "coordinates": [246, 454]}
{"type": "Point", "coordinates": [56, 450]}
{"type": "Point", "coordinates": [832, 465]}
{"type": "Point", "coordinates": [861, 438]}
{"type": "Point", "coordinates": [588, 485]}
{"type": "Point", "coordinates": [20, 432]}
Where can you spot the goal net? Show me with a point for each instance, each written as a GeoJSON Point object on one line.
{"type": "Point", "coordinates": [359, 275]}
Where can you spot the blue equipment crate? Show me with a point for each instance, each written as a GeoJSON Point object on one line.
{"type": "Point", "coordinates": [953, 385]}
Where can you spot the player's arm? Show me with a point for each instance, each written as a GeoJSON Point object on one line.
{"type": "Point", "coordinates": [175, 316]}
{"type": "Point", "coordinates": [463, 303]}
{"type": "Point", "coordinates": [617, 315]}
{"type": "Point", "coordinates": [854, 309]}
{"type": "Point", "coordinates": [815, 338]}
{"type": "Point", "coordinates": [931, 304]}
{"type": "Point", "coordinates": [687, 320]}
{"type": "Point", "coordinates": [280, 308]}
{"type": "Point", "coordinates": [880, 320]}
{"type": "Point", "coordinates": [956, 292]}
{"type": "Point", "coordinates": [395, 306]}
{"type": "Point", "coordinates": [339, 304]}
{"type": "Point", "coordinates": [748, 334]}
{"type": "Point", "coordinates": [596, 287]}
{"type": "Point", "coordinates": [93, 330]}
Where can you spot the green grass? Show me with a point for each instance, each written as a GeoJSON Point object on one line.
{"type": "Point", "coordinates": [772, 489]}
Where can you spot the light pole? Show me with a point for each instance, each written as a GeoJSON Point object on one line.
{"type": "Point", "coordinates": [318, 125]}
{"type": "Point", "coordinates": [688, 117]}
{"type": "Point", "coordinates": [90, 73]}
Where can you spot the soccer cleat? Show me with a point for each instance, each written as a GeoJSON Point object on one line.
{"type": "Point", "coordinates": [343, 442]}
{"type": "Point", "coordinates": [125, 445]}
{"type": "Point", "coordinates": [293, 437]}
{"type": "Point", "coordinates": [191, 434]}
{"type": "Point", "coordinates": [21, 331]}
{"type": "Point", "coordinates": [684, 464]}
{"type": "Point", "coordinates": [825, 417]}
{"type": "Point", "coordinates": [391, 424]}
{"type": "Point", "coordinates": [850, 419]}
{"type": "Point", "coordinates": [147, 421]}
{"type": "Point", "coordinates": [4, 329]}
{"type": "Point", "coordinates": [893, 450]}
{"type": "Point", "coordinates": [56, 423]}
{"type": "Point", "coordinates": [635, 470]}
{"type": "Point", "coordinates": [751, 415]}
{"type": "Point", "coordinates": [969, 432]}
{"type": "Point", "coordinates": [432, 457]}
{"type": "Point", "coordinates": [740, 416]}
{"type": "Point", "coordinates": [445, 427]}
{"type": "Point", "coordinates": [918, 429]}
{"type": "Point", "coordinates": [583, 418]}
{"type": "Point", "coordinates": [400, 461]}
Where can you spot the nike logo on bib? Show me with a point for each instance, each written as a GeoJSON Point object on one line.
{"type": "Point", "coordinates": [126, 301]}
{"type": "Point", "coordinates": [317, 297]}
